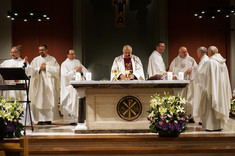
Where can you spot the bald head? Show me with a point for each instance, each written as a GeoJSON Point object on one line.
{"type": "Point", "coordinates": [212, 50]}
{"type": "Point", "coordinates": [183, 52]}
{"type": "Point", "coordinates": [201, 51]}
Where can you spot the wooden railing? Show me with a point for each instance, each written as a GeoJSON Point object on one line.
{"type": "Point", "coordinates": [14, 146]}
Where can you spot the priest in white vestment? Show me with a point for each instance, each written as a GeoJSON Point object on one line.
{"type": "Point", "coordinates": [69, 96]}
{"type": "Point", "coordinates": [186, 64]}
{"type": "Point", "coordinates": [201, 53]}
{"type": "Point", "coordinates": [156, 63]}
{"type": "Point", "coordinates": [216, 92]}
{"type": "Point", "coordinates": [128, 62]}
{"type": "Point", "coordinates": [16, 61]}
{"type": "Point", "coordinates": [44, 88]}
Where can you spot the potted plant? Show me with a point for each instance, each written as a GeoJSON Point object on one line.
{"type": "Point", "coordinates": [11, 112]}
{"type": "Point", "coordinates": [232, 110]}
{"type": "Point", "coordinates": [166, 115]}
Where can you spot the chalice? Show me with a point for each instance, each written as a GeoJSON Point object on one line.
{"type": "Point", "coordinates": [115, 72]}
{"type": "Point", "coordinates": [127, 74]}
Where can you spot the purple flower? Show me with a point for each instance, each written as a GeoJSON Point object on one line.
{"type": "Point", "coordinates": [158, 125]}
{"type": "Point", "coordinates": [10, 127]}
{"type": "Point", "coordinates": [178, 127]}
{"type": "Point", "coordinates": [172, 127]}
{"type": "Point", "coordinates": [183, 122]}
{"type": "Point", "coordinates": [165, 127]}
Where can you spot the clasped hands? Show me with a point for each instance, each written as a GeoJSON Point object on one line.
{"type": "Point", "coordinates": [43, 67]}
{"type": "Point", "coordinates": [123, 77]}
{"type": "Point", "coordinates": [78, 69]}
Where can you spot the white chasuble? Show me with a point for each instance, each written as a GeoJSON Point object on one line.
{"type": "Point", "coordinates": [197, 90]}
{"type": "Point", "coordinates": [215, 94]}
{"type": "Point", "coordinates": [180, 64]}
{"type": "Point", "coordinates": [68, 95]}
{"type": "Point", "coordinates": [118, 64]}
{"type": "Point", "coordinates": [156, 64]}
{"type": "Point", "coordinates": [44, 88]}
{"type": "Point", "coordinates": [16, 94]}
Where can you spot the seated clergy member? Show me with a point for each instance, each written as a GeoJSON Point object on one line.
{"type": "Point", "coordinates": [16, 61]}
{"type": "Point", "coordinates": [128, 62]}
{"type": "Point", "coordinates": [68, 95]}
{"type": "Point", "coordinates": [215, 92]}
{"type": "Point", "coordinates": [45, 87]}
{"type": "Point", "coordinates": [156, 63]}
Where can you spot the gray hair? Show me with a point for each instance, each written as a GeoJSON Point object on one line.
{"type": "Point", "coordinates": [17, 49]}
{"type": "Point", "coordinates": [203, 50]}
{"type": "Point", "coordinates": [214, 49]}
{"type": "Point", "coordinates": [127, 47]}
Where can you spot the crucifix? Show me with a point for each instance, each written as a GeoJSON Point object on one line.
{"type": "Point", "coordinates": [120, 12]}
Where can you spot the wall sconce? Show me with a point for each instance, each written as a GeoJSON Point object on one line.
{"type": "Point", "coordinates": [27, 15]}
{"type": "Point", "coordinates": [215, 12]}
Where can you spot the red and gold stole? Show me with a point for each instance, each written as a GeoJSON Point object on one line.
{"type": "Point", "coordinates": [128, 64]}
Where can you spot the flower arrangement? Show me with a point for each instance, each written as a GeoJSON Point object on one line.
{"type": "Point", "coordinates": [11, 112]}
{"type": "Point", "coordinates": [167, 114]}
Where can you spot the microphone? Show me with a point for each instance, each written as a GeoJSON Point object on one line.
{"type": "Point", "coordinates": [25, 65]}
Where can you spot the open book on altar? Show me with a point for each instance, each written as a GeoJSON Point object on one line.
{"type": "Point", "coordinates": [158, 76]}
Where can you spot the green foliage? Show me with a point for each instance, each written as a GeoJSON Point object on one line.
{"type": "Point", "coordinates": [167, 114]}
{"type": "Point", "coordinates": [11, 112]}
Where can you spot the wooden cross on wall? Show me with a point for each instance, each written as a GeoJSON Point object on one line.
{"type": "Point", "coordinates": [120, 12]}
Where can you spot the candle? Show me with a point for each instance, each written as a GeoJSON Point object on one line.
{"type": "Point", "coordinates": [88, 76]}
{"type": "Point", "coordinates": [181, 75]}
{"type": "Point", "coordinates": [169, 75]}
{"type": "Point", "coordinates": [78, 76]}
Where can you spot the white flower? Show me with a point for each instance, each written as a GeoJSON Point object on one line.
{"type": "Point", "coordinates": [182, 101]}
{"type": "Point", "coordinates": [180, 109]}
{"type": "Point", "coordinates": [151, 114]}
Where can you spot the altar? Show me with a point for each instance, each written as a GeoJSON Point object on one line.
{"type": "Point", "coordinates": [122, 105]}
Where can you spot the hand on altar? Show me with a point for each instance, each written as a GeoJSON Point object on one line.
{"type": "Point", "coordinates": [78, 69]}
{"type": "Point", "coordinates": [189, 71]}
{"type": "Point", "coordinates": [131, 77]}
{"type": "Point", "coordinates": [17, 80]}
{"type": "Point", "coordinates": [43, 66]}
{"type": "Point", "coordinates": [123, 77]}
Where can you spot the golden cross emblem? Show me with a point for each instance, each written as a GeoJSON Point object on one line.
{"type": "Point", "coordinates": [129, 108]}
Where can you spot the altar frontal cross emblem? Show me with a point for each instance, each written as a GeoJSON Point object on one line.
{"type": "Point", "coordinates": [129, 108]}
